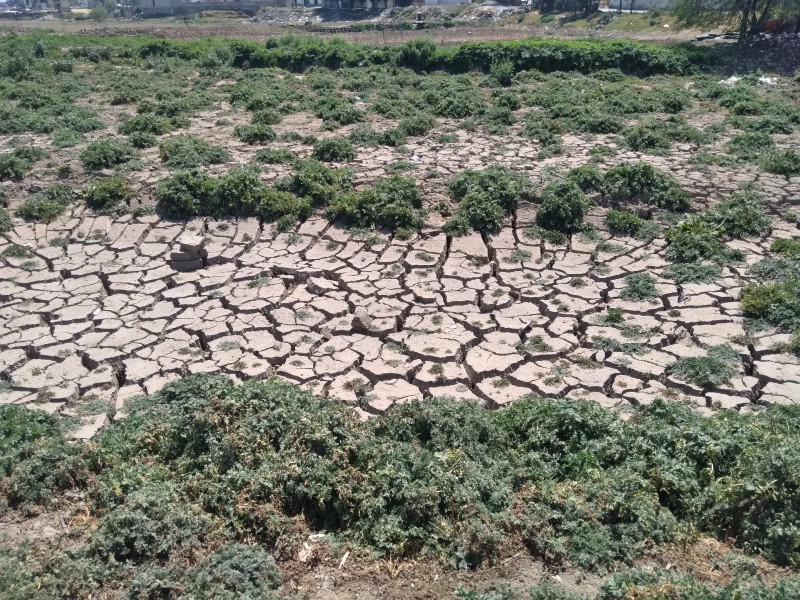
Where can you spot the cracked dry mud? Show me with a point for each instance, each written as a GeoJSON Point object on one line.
{"type": "Point", "coordinates": [365, 319]}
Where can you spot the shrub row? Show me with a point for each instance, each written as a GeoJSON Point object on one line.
{"type": "Point", "coordinates": [206, 463]}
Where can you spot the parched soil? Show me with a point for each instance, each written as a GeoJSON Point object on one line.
{"type": "Point", "coordinates": [106, 317]}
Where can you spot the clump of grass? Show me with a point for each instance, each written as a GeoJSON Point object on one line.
{"type": "Point", "coordinates": [639, 286]}
{"type": "Point", "coordinates": [563, 207]}
{"type": "Point", "coordinates": [108, 195]}
{"type": "Point", "coordinates": [643, 183]}
{"type": "Point", "coordinates": [334, 149]}
{"type": "Point", "coordinates": [626, 223]}
{"type": "Point", "coordinates": [782, 162]}
{"type": "Point", "coordinates": [695, 240]}
{"type": "Point", "coordinates": [711, 371]}
{"type": "Point", "coordinates": [48, 205]}
{"type": "Point", "coordinates": [105, 154]}
{"type": "Point", "coordinates": [740, 216]}
{"type": "Point", "coordinates": [188, 151]}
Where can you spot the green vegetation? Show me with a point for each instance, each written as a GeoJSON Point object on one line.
{"type": "Point", "coordinates": [485, 198]}
{"type": "Point", "coordinates": [109, 195]}
{"type": "Point", "coordinates": [15, 164]}
{"type": "Point", "coordinates": [254, 134]}
{"type": "Point", "coordinates": [740, 216]}
{"type": "Point", "coordinates": [622, 222]}
{"type": "Point", "coordinates": [334, 149]}
{"type": "Point", "coordinates": [188, 152]}
{"type": "Point", "coordinates": [643, 183]}
{"type": "Point", "coordinates": [695, 240]}
{"type": "Point", "coordinates": [569, 480]}
{"type": "Point", "coordinates": [639, 286]}
{"type": "Point", "coordinates": [5, 221]}
{"type": "Point", "coordinates": [713, 370]}
{"type": "Point", "coordinates": [105, 154]}
{"type": "Point", "coordinates": [393, 202]}
{"type": "Point", "coordinates": [48, 205]}
{"type": "Point", "coordinates": [783, 162]}
{"type": "Point", "coordinates": [563, 207]}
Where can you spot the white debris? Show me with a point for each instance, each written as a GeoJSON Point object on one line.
{"type": "Point", "coordinates": [768, 80]}
{"type": "Point", "coordinates": [730, 80]}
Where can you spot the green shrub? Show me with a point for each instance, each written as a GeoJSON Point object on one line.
{"type": "Point", "coordinates": [642, 182]}
{"type": "Point", "coordinates": [188, 152]}
{"type": "Point", "coordinates": [239, 192]}
{"type": "Point", "coordinates": [693, 272]}
{"type": "Point", "coordinates": [67, 138]}
{"type": "Point", "coordinates": [695, 239]}
{"type": "Point", "coordinates": [750, 145]}
{"type": "Point", "coordinates": [271, 156]}
{"type": "Point", "coordinates": [6, 224]}
{"type": "Point", "coordinates": [477, 211]}
{"type": "Point", "coordinates": [146, 123]}
{"type": "Point", "coordinates": [266, 116]}
{"type": "Point", "coordinates": [563, 207]}
{"type": "Point", "coordinates": [364, 135]}
{"type": "Point", "coordinates": [186, 194]}
{"type": "Point", "coordinates": [393, 137]}
{"type": "Point", "coordinates": [105, 154]}
{"type": "Point", "coordinates": [501, 185]}
{"type": "Point", "coordinates": [622, 222]}
{"type": "Point", "coordinates": [108, 195]}
{"type": "Point", "coordinates": [13, 168]}
{"type": "Point", "coordinates": [785, 247]}
{"type": "Point", "coordinates": [776, 303]}
{"type": "Point", "coordinates": [639, 286]}
{"type": "Point", "coordinates": [275, 205]}
{"type": "Point", "coordinates": [587, 177]}
{"type": "Point", "coordinates": [711, 371]}
{"type": "Point", "coordinates": [14, 165]}
{"type": "Point", "coordinates": [417, 124]}
{"type": "Point", "coordinates": [659, 135]}
{"type": "Point", "coordinates": [502, 71]}
{"type": "Point", "coordinates": [392, 202]}
{"type": "Point", "coordinates": [314, 180]}
{"type": "Point", "coordinates": [782, 162]}
{"type": "Point", "coordinates": [741, 215]}
{"type": "Point", "coordinates": [48, 205]}
{"type": "Point", "coordinates": [254, 134]}
{"type": "Point", "coordinates": [334, 150]}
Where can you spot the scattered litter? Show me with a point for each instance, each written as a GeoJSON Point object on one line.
{"type": "Point", "coordinates": [768, 80]}
{"type": "Point", "coordinates": [730, 80]}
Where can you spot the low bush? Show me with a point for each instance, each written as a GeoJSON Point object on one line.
{"type": "Point", "coordinates": [254, 134]}
{"type": "Point", "coordinates": [314, 180]}
{"type": "Point", "coordinates": [563, 207]}
{"type": "Point", "coordinates": [188, 152]}
{"type": "Point", "coordinates": [713, 370]}
{"type": "Point", "coordinates": [47, 205]}
{"type": "Point", "coordinates": [142, 139]}
{"type": "Point", "coordinates": [776, 303]}
{"type": "Point", "coordinates": [146, 123]}
{"type": "Point", "coordinates": [782, 162]}
{"type": "Point", "coordinates": [334, 150]}
{"type": "Point", "coordinates": [238, 192]}
{"type": "Point", "coordinates": [186, 194]}
{"type": "Point", "coordinates": [393, 202]}
{"type": "Point", "coordinates": [658, 135]}
{"type": "Point", "coordinates": [418, 124]}
{"type": "Point", "coordinates": [695, 239]}
{"type": "Point", "coordinates": [15, 164]}
{"type": "Point", "coordinates": [786, 247]}
{"type": "Point", "coordinates": [477, 211]}
{"type": "Point", "coordinates": [501, 185]}
{"type": "Point", "coordinates": [283, 207]}
{"type": "Point", "coordinates": [750, 145]}
{"type": "Point", "coordinates": [271, 156]}
{"type": "Point", "coordinates": [694, 272]}
{"type": "Point", "coordinates": [643, 183]}
{"type": "Point", "coordinates": [105, 154]}
{"type": "Point", "coordinates": [208, 464]}
{"type": "Point", "coordinates": [6, 224]}
{"type": "Point", "coordinates": [108, 195]}
{"type": "Point", "coordinates": [587, 177]}
{"type": "Point", "coordinates": [740, 216]}
{"type": "Point", "coordinates": [639, 286]}
{"type": "Point", "coordinates": [621, 222]}
{"type": "Point", "coordinates": [67, 138]}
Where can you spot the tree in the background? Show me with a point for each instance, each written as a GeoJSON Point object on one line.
{"type": "Point", "coordinates": [750, 14]}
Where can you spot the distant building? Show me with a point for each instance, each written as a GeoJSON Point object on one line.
{"type": "Point", "coordinates": [624, 5]}
{"type": "Point", "coordinates": [160, 8]}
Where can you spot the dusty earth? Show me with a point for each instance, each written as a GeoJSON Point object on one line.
{"type": "Point", "coordinates": [367, 319]}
